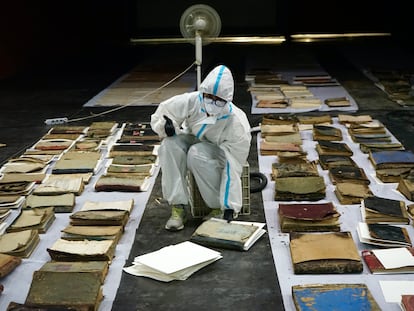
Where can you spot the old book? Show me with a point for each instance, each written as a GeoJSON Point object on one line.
{"type": "Point", "coordinates": [407, 302]}
{"type": "Point", "coordinates": [77, 290]}
{"type": "Point", "coordinates": [131, 149]}
{"type": "Point", "coordinates": [80, 233]}
{"type": "Point", "coordinates": [350, 119]}
{"type": "Point", "coordinates": [19, 244]}
{"type": "Point", "coordinates": [383, 235]}
{"type": "Point", "coordinates": [326, 132]}
{"type": "Point", "coordinates": [173, 262]}
{"type": "Point", "coordinates": [376, 209]}
{"type": "Point", "coordinates": [272, 103]}
{"type": "Point", "coordinates": [61, 203]}
{"type": "Point", "coordinates": [86, 250]}
{"type": "Point", "coordinates": [337, 102]}
{"type": "Point", "coordinates": [328, 161]}
{"type": "Point", "coordinates": [370, 138]}
{"type": "Point", "coordinates": [327, 252]}
{"type": "Point", "coordinates": [123, 184]}
{"type": "Point", "coordinates": [77, 162]}
{"type": "Point", "coordinates": [98, 267]}
{"type": "Point", "coordinates": [56, 184]}
{"type": "Point", "coordinates": [123, 205]}
{"type": "Point", "coordinates": [333, 148]}
{"type": "Point", "coordinates": [315, 119]}
{"type": "Point", "coordinates": [294, 138]}
{"type": "Point", "coordinates": [350, 174]}
{"type": "Point", "coordinates": [351, 193]}
{"type": "Point", "coordinates": [372, 259]}
{"type": "Point", "coordinates": [307, 188]}
{"type": "Point", "coordinates": [406, 187]}
{"type": "Point", "coordinates": [99, 218]}
{"type": "Point", "coordinates": [278, 129]}
{"type": "Point", "coordinates": [392, 175]}
{"type": "Point", "coordinates": [391, 159]}
{"type": "Point", "coordinates": [134, 159]}
{"type": "Point", "coordinates": [239, 235]}
{"type": "Point", "coordinates": [308, 217]}
{"type": "Point", "coordinates": [381, 146]}
{"type": "Point", "coordinates": [11, 201]}
{"type": "Point", "coordinates": [8, 263]}
{"type": "Point", "coordinates": [294, 169]}
{"type": "Point", "coordinates": [15, 306]}
{"type": "Point", "coordinates": [328, 297]}
{"type": "Point", "coordinates": [39, 219]}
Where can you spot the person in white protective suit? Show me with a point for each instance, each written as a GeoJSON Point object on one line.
{"type": "Point", "coordinates": [204, 132]}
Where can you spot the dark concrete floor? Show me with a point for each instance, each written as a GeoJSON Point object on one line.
{"type": "Point", "coordinates": [244, 281]}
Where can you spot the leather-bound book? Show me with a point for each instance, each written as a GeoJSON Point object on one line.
{"type": "Point", "coordinates": [351, 193]}
{"type": "Point", "coordinates": [327, 161]}
{"type": "Point", "coordinates": [391, 159]}
{"type": "Point", "coordinates": [321, 253]}
{"type": "Point", "coordinates": [8, 263]}
{"type": "Point", "coordinates": [406, 187]}
{"type": "Point", "coordinates": [376, 267]}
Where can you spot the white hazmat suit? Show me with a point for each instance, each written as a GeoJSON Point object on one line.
{"type": "Point", "coordinates": [214, 147]}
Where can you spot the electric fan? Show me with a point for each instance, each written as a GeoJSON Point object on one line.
{"type": "Point", "coordinates": [200, 21]}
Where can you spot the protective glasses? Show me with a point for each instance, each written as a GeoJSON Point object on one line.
{"type": "Point", "coordinates": [215, 100]}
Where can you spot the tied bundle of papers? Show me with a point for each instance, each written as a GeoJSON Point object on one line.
{"type": "Point", "coordinates": [173, 262]}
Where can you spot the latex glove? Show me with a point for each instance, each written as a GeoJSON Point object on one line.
{"type": "Point", "coordinates": [228, 215]}
{"type": "Point", "coordinates": [169, 126]}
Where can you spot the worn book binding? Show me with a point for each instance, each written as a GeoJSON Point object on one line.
{"type": "Point", "coordinates": [376, 267]}
{"type": "Point", "coordinates": [240, 235]}
{"type": "Point", "coordinates": [383, 210]}
{"type": "Point", "coordinates": [328, 297]}
{"type": "Point", "coordinates": [319, 253]}
{"type": "Point", "coordinates": [77, 290]}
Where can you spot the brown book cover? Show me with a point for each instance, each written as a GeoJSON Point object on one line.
{"type": "Point", "coordinates": [406, 187]}
{"type": "Point", "coordinates": [333, 148]}
{"type": "Point", "coordinates": [326, 132]}
{"type": "Point", "coordinates": [99, 267]}
{"type": "Point", "coordinates": [8, 263]}
{"type": "Point", "coordinates": [78, 290]}
{"type": "Point", "coordinates": [99, 218]}
{"type": "Point", "coordinates": [407, 302]}
{"type": "Point", "coordinates": [351, 193]}
{"type": "Point", "coordinates": [327, 161]}
{"type": "Point", "coordinates": [320, 253]}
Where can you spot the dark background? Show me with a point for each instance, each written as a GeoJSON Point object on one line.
{"type": "Point", "coordinates": [52, 34]}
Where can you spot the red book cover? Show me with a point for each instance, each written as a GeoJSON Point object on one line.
{"type": "Point", "coordinates": [407, 302]}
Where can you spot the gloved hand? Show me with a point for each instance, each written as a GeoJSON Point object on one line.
{"type": "Point", "coordinates": [228, 214]}
{"type": "Point", "coordinates": [169, 126]}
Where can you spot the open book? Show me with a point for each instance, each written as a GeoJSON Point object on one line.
{"type": "Point", "coordinates": [173, 262]}
{"type": "Point", "coordinates": [239, 235]}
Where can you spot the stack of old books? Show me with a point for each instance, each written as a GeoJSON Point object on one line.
{"type": "Point", "coordinates": [101, 129]}
{"type": "Point", "coordinates": [26, 168]}
{"type": "Point", "coordinates": [127, 177]}
{"type": "Point", "coordinates": [20, 243]}
{"type": "Point", "coordinates": [326, 133]}
{"type": "Point", "coordinates": [333, 148]}
{"type": "Point", "coordinates": [61, 203]}
{"type": "Point", "coordinates": [352, 193]}
{"type": "Point", "coordinates": [308, 217]}
{"type": "Point", "coordinates": [39, 219]}
{"type": "Point", "coordinates": [138, 133]}
{"type": "Point", "coordinates": [280, 138]}
{"type": "Point", "coordinates": [321, 253]}
{"type": "Point", "coordinates": [78, 162]}
{"type": "Point", "coordinates": [298, 182]}
{"type": "Point", "coordinates": [390, 165]}
{"type": "Point", "coordinates": [406, 185]}
{"type": "Point", "coordinates": [376, 209]}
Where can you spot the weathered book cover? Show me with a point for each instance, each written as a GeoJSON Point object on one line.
{"type": "Point", "coordinates": [320, 253]}
{"type": "Point", "coordinates": [390, 159]}
{"type": "Point", "coordinates": [348, 174]}
{"type": "Point", "coordinates": [99, 267]}
{"type": "Point", "coordinates": [328, 297]}
{"type": "Point", "coordinates": [99, 218]}
{"type": "Point", "coordinates": [378, 209]}
{"type": "Point", "coordinates": [351, 193]}
{"type": "Point", "coordinates": [325, 132]}
{"type": "Point", "coordinates": [8, 263]}
{"type": "Point", "coordinates": [234, 235]}
{"type": "Point", "coordinates": [308, 188]}
{"type": "Point", "coordinates": [78, 290]}
{"type": "Point", "coordinates": [333, 148]}
{"type": "Point", "coordinates": [327, 161]}
{"type": "Point", "coordinates": [406, 187]}
{"type": "Point", "coordinates": [376, 267]}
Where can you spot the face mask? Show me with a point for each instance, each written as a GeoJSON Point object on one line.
{"type": "Point", "coordinates": [211, 108]}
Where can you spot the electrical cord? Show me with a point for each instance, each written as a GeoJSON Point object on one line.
{"type": "Point", "coordinates": [65, 120]}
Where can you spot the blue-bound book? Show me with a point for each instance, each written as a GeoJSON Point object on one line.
{"type": "Point", "coordinates": [338, 297]}
{"type": "Point", "coordinates": [392, 159]}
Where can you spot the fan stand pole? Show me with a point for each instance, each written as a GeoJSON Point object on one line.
{"type": "Point", "coordinates": [198, 57]}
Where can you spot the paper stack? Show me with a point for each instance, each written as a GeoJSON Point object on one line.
{"type": "Point", "coordinates": [173, 262]}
